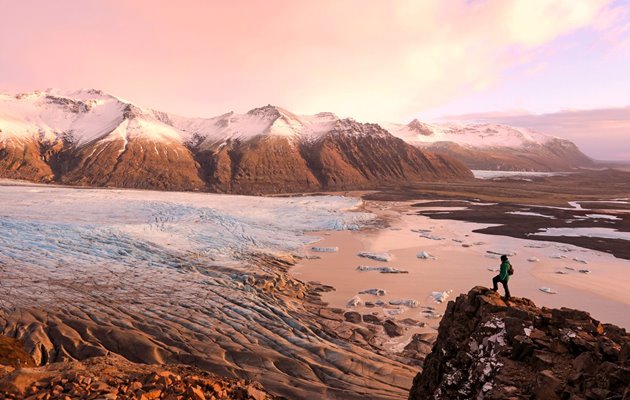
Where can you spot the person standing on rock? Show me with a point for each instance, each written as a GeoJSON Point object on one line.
{"type": "Point", "coordinates": [503, 277]}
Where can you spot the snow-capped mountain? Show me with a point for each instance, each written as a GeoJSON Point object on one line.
{"type": "Point", "coordinates": [89, 137]}
{"type": "Point", "coordinates": [493, 146]}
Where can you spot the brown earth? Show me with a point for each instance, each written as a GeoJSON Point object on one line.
{"type": "Point", "coordinates": [22, 159]}
{"type": "Point", "coordinates": [138, 163]}
{"type": "Point", "coordinates": [114, 377]}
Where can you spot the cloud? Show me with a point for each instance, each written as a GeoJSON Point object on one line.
{"type": "Point", "coordinates": [373, 60]}
{"type": "Point", "coordinates": [601, 133]}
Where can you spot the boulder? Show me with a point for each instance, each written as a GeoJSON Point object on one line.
{"type": "Point", "coordinates": [352, 316]}
{"type": "Point", "coordinates": [392, 328]}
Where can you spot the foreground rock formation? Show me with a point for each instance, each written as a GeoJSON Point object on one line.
{"type": "Point", "coordinates": [489, 349]}
{"type": "Point", "coordinates": [113, 377]}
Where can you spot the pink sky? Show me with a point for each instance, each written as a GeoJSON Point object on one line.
{"type": "Point", "coordinates": [372, 60]}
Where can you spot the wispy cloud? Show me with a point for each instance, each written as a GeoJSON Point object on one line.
{"type": "Point", "coordinates": [370, 59]}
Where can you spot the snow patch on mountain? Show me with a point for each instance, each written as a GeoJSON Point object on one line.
{"type": "Point", "coordinates": [476, 135]}
{"type": "Point", "coordinates": [78, 117]}
{"type": "Point", "coordinates": [268, 120]}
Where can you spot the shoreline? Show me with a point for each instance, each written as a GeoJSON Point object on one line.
{"type": "Point", "coordinates": [600, 292]}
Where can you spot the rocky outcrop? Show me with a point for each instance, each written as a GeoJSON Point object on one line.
{"type": "Point", "coordinates": [113, 377]}
{"type": "Point", "coordinates": [490, 349]}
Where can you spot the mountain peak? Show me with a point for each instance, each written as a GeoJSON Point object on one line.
{"type": "Point", "coordinates": [420, 127]}
{"type": "Point", "coordinates": [268, 111]}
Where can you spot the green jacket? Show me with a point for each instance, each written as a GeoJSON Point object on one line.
{"type": "Point", "coordinates": [503, 272]}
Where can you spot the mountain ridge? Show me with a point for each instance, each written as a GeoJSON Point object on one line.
{"type": "Point", "coordinates": [91, 138]}
{"type": "Point", "coordinates": [494, 146]}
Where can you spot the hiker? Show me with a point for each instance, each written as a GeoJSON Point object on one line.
{"type": "Point", "coordinates": [503, 277]}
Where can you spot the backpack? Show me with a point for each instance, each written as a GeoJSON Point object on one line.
{"type": "Point", "coordinates": [511, 270]}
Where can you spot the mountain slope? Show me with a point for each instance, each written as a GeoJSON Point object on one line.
{"type": "Point", "coordinates": [494, 147]}
{"type": "Point", "coordinates": [91, 138]}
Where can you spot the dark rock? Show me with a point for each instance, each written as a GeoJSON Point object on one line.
{"type": "Point", "coordinates": [522, 348]}
{"type": "Point", "coordinates": [393, 329]}
{"type": "Point", "coordinates": [597, 394]}
{"type": "Point", "coordinates": [548, 386]}
{"type": "Point", "coordinates": [541, 360]}
{"type": "Point", "coordinates": [352, 316]}
{"type": "Point", "coordinates": [488, 350]}
{"type": "Point", "coordinates": [586, 362]}
{"type": "Point", "coordinates": [329, 314]}
{"type": "Point", "coordinates": [371, 319]}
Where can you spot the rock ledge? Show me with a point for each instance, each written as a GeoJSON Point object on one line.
{"type": "Point", "coordinates": [487, 349]}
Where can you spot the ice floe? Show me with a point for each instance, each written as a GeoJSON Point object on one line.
{"type": "Point", "coordinates": [429, 235]}
{"type": "Point", "coordinates": [604, 233]}
{"type": "Point", "coordinates": [603, 216]}
{"type": "Point", "coordinates": [530, 214]}
{"type": "Point", "coordinates": [484, 174]}
{"type": "Point", "coordinates": [533, 259]}
{"type": "Point", "coordinates": [354, 302]}
{"type": "Point", "coordinates": [508, 253]}
{"type": "Point", "coordinates": [325, 249]}
{"type": "Point", "coordinates": [375, 292]}
{"type": "Point", "coordinates": [440, 297]}
{"type": "Point", "coordinates": [547, 290]}
{"type": "Point", "coordinates": [423, 255]}
{"type": "Point", "coordinates": [383, 257]}
{"type": "Point", "coordinates": [411, 303]}
{"type": "Point", "coordinates": [382, 270]}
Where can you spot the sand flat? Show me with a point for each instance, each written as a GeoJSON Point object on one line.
{"type": "Point", "coordinates": [603, 292]}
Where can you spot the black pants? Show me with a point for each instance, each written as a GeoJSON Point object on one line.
{"type": "Point", "coordinates": [495, 285]}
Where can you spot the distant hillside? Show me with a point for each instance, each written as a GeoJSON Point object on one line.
{"type": "Point", "coordinates": [494, 147]}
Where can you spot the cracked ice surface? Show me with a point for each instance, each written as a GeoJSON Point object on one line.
{"type": "Point", "coordinates": [171, 277]}
{"type": "Point", "coordinates": [48, 225]}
